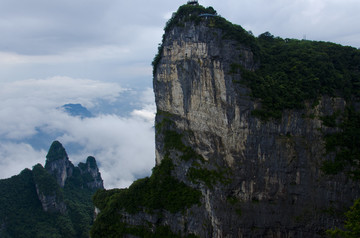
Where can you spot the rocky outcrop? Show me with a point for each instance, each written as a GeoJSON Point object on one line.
{"type": "Point", "coordinates": [58, 163]}
{"type": "Point", "coordinates": [51, 203]}
{"type": "Point", "coordinates": [276, 186]}
{"type": "Point", "coordinates": [36, 203]}
{"type": "Point", "coordinates": [91, 170]}
{"type": "Point", "coordinates": [59, 171]}
{"type": "Point", "coordinates": [257, 178]}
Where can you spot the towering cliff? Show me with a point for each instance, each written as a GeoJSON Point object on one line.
{"type": "Point", "coordinates": [246, 145]}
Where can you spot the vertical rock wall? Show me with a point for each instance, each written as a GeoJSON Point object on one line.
{"type": "Point", "coordinates": [274, 186]}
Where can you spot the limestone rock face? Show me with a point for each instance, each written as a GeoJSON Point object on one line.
{"type": "Point", "coordinates": [274, 186]}
{"type": "Point", "coordinates": [192, 82]}
{"type": "Point", "coordinates": [90, 168]}
{"type": "Point", "coordinates": [58, 163]}
{"type": "Point", "coordinates": [51, 181]}
{"type": "Point", "coordinates": [48, 190]}
{"type": "Point", "coordinates": [256, 178]}
{"type": "Point", "coordinates": [51, 203]}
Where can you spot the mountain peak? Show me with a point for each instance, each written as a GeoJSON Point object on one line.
{"type": "Point", "coordinates": [91, 162]}
{"type": "Point", "coordinates": [58, 163]}
{"type": "Point", "coordinates": [54, 201]}
{"type": "Point", "coordinates": [77, 110]}
{"type": "Point", "coordinates": [56, 152]}
{"type": "Point", "coordinates": [90, 167]}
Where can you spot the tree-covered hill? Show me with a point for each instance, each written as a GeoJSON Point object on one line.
{"type": "Point", "coordinates": [33, 204]}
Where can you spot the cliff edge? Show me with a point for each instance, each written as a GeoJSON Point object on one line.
{"type": "Point", "coordinates": [243, 136]}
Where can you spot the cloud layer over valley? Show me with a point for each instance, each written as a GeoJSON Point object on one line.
{"type": "Point", "coordinates": [124, 146]}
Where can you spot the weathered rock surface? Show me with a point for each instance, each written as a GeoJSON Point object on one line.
{"type": "Point", "coordinates": [277, 188]}
{"type": "Point", "coordinates": [90, 168]}
{"type": "Point", "coordinates": [51, 203]}
{"type": "Point", "coordinates": [257, 178]}
{"type": "Point", "coordinates": [58, 163]}
{"type": "Point", "coordinates": [60, 167]}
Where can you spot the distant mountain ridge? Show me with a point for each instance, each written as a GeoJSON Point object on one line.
{"type": "Point", "coordinates": [50, 201]}
{"type": "Point", "coordinates": [77, 110]}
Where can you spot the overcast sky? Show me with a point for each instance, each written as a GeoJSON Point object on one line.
{"type": "Point", "coordinates": [98, 53]}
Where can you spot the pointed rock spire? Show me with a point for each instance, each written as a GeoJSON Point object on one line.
{"type": "Point", "coordinates": [58, 164]}
{"type": "Point", "coordinates": [91, 168]}
{"type": "Point", "coordinates": [56, 152]}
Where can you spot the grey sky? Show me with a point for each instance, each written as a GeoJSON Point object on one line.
{"type": "Point", "coordinates": [82, 38]}
{"type": "Point", "coordinates": [98, 53]}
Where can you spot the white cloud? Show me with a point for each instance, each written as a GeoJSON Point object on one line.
{"type": "Point", "coordinates": [73, 55]}
{"type": "Point", "coordinates": [117, 40]}
{"type": "Point", "coordinates": [123, 146]}
{"type": "Point", "coordinates": [29, 104]}
{"type": "Point", "coordinates": [147, 112]}
{"type": "Point", "coordinates": [15, 157]}
{"type": "Point", "coordinates": [325, 20]}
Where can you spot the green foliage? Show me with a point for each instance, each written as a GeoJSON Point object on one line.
{"type": "Point", "coordinates": [352, 224]}
{"type": "Point", "coordinates": [79, 179]}
{"type": "Point", "coordinates": [292, 71]}
{"type": "Point", "coordinates": [160, 232]}
{"type": "Point", "coordinates": [345, 144]}
{"type": "Point", "coordinates": [187, 13]}
{"type": "Point", "coordinates": [79, 204]}
{"type": "Point", "coordinates": [235, 32]}
{"type": "Point", "coordinates": [21, 209]}
{"type": "Point", "coordinates": [330, 121]}
{"type": "Point", "coordinates": [22, 215]}
{"type": "Point", "coordinates": [56, 152]}
{"type": "Point", "coordinates": [160, 191]}
{"type": "Point", "coordinates": [103, 197]}
{"type": "Point", "coordinates": [208, 177]}
{"type": "Point", "coordinates": [157, 58]}
{"type": "Point", "coordinates": [173, 140]}
{"type": "Point", "coordinates": [141, 231]}
{"type": "Point", "coordinates": [191, 13]}
{"type": "Point", "coordinates": [235, 202]}
{"type": "Point", "coordinates": [46, 182]}
{"type": "Point", "coordinates": [184, 13]}
{"type": "Point", "coordinates": [91, 162]}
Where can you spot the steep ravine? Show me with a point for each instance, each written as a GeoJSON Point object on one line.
{"type": "Point", "coordinates": [257, 178]}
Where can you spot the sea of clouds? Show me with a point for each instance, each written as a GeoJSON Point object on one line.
{"type": "Point", "coordinates": [123, 145]}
